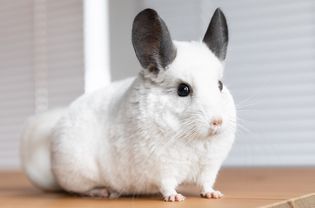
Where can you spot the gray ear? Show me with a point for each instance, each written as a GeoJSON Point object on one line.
{"type": "Point", "coordinates": [217, 35]}
{"type": "Point", "coordinates": [152, 41]}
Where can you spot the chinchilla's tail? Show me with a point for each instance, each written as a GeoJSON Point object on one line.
{"type": "Point", "coordinates": [36, 151]}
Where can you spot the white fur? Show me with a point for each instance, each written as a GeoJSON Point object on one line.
{"type": "Point", "coordinates": [35, 149]}
{"type": "Point", "coordinates": [138, 135]}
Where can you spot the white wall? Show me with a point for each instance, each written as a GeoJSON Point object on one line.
{"type": "Point", "coordinates": [123, 61]}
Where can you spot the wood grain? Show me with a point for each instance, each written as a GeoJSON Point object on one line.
{"type": "Point", "coordinates": [243, 188]}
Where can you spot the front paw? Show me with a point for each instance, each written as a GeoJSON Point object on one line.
{"type": "Point", "coordinates": [212, 195]}
{"type": "Point", "coordinates": [174, 198]}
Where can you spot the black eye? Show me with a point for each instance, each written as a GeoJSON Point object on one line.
{"type": "Point", "coordinates": [183, 90]}
{"type": "Point", "coordinates": [220, 85]}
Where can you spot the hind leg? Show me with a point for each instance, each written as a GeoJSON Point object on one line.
{"type": "Point", "coordinates": [75, 152]}
{"type": "Point", "coordinates": [97, 192]}
{"type": "Point", "coordinates": [101, 192]}
{"type": "Point", "coordinates": [83, 184]}
{"type": "Point", "coordinates": [79, 174]}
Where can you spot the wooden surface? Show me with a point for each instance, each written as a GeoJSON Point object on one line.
{"type": "Point", "coordinates": [242, 188]}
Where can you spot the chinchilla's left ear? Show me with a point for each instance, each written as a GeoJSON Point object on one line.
{"type": "Point", "coordinates": [152, 41]}
{"type": "Point", "coordinates": [217, 35]}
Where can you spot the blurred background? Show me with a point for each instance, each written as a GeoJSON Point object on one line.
{"type": "Point", "coordinates": [53, 51]}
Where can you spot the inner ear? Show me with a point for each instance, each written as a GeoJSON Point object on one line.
{"type": "Point", "coordinates": [152, 41]}
{"type": "Point", "coordinates": [217, 36]}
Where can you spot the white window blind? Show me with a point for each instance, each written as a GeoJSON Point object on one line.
{"type": "Point", "coordinates": [41, 64]}
{"type": "Point", "coordinates": [270, 71]}
{"type": "Point", "coordinates": [16, 79]}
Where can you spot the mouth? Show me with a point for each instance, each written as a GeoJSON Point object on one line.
{"type": "Point", "coordinates": [214, 131]}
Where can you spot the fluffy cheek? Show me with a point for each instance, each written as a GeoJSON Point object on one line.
{"type": "Point", "coordinates": [168, 110]}
{"type": "Point", "coordinates": [195, 124]}
{"type": "Point", "coordinates": [203, 130]}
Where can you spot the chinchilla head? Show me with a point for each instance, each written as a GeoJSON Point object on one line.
{"type": "Point", "coordinates": [181, 85]}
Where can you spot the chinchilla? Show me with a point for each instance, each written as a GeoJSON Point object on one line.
{"type": "Point", "coordinates": [173, 123]}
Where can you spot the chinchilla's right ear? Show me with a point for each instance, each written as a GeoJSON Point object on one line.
{"type": "Point", "coordinates": [152, 41]}
{"type": "Point", "coordinates": [217, 35]}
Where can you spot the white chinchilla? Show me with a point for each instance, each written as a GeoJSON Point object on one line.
{"type": "Point", "coordinates": [172, 124]}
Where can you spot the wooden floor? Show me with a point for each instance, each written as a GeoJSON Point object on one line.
{"type": "Point", "coordinates": [242, 188]}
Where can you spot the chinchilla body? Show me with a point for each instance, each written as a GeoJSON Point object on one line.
{"type": "Point", "coordinates": [173, 123]}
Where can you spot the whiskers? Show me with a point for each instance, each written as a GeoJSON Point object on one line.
{"type": "Point", "coordinates": [246, 104]}
{"type": "Point", "coordinates": [244, 108]}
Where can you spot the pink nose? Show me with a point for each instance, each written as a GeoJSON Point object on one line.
{"type": "Point", "coordinates": [216, 122]}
